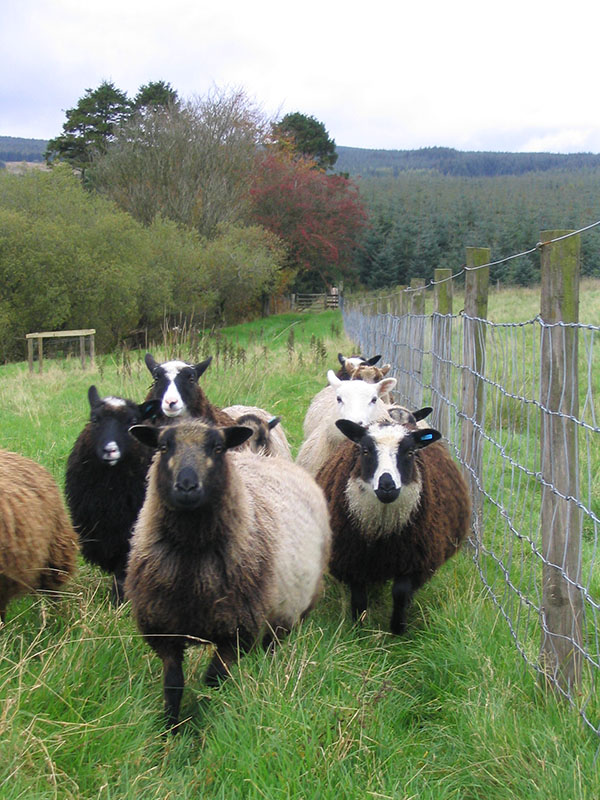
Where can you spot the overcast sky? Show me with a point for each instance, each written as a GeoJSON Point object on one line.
{"type": "Point", "coordinates": [521, 75]}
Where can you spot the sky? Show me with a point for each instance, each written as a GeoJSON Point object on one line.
{"type": "Point", "coordinates": [518, 76]}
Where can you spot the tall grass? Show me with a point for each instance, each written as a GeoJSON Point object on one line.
{"type": "Point", "coordinates": [449, 711]}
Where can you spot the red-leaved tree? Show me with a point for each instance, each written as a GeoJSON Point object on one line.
{"type": "Point", "coordinates": [320, 217]}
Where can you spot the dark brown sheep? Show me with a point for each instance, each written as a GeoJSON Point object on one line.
{"type": "Point", "coordinates": [399, 509]}
{"type": "Point", "coordinates": [38, 546]}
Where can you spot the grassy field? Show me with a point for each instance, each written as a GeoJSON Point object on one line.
{"type": "Point", "coordinates": [449, 711]}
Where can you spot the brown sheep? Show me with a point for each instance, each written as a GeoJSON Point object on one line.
{"type": "Point", "coordinates": [228, 545]}
{"type": "Point", "coordinates": [399, 509]}
{"type": "Point", "coordinates": [38, 546]}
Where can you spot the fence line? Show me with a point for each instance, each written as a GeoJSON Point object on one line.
{"type": "Point", "coordinates": [518, 403]}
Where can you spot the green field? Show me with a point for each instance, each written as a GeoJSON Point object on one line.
{"type": "Point", "coordinates": [449, 711]}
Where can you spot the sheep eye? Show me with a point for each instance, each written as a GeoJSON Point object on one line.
{"type": "Point", "coordinates": [192, 378]}
{"type": "Point", "coordinates": [218, 448]}
{"type": "Point", "coordinates": [134, 421]}
{"type": "Point", "coordinates": [365, 451]}
{"type": "Point", "coordinates": [94, 419]}
{"type": "Point", "coordinates": [373, 401]}
{"type": "Point", "coordinates": [339, 399]}
{"type": "Point", "coordinates": [163, 447]}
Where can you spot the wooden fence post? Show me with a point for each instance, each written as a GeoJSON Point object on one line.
{"type": "Point", "coordinates": [473, 386]}
{"type": "Point", "coordinates": [416, 342]}
{"type": "Point", "coordinates": [561, 518]}
{"type": "Point", "coordinates": [441, 349]}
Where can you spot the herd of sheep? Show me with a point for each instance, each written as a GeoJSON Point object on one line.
{"type": "Point", "coordinates": [210, 530]}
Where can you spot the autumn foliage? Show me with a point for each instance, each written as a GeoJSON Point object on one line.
{"type": "Point", "coordinates": [320, 217]}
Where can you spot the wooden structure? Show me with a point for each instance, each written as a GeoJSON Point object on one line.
{"type": "Point", "coordinates": [40, 336]}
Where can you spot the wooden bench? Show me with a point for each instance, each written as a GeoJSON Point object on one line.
{"type": "Point", "coordinates": [40, 336]}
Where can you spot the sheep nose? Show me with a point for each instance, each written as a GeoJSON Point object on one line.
{"type": "Point", "coordinates": [387, 491]}
{"type": "Point", "coordinates": [187, 480]}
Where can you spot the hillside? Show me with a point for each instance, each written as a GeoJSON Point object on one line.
{"type": "Point", "coordinates": [13, 148]}
{"type": "Point", "coordinates": [448, 161]}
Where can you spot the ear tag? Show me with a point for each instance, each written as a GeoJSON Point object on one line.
{"type": "Point", "coordinates": [426, 437]}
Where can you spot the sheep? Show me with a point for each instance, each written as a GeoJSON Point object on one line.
{"type": "Point", "coordinates": [353, 361]}
{"type": "Point", "coordinates": [355, 400]}
{"type": "Point", "coordinates": [227, 545]}
{"type": "Point", "coordinates": [399, 508]}
{"type": "Point", "coordinates": [404, 415]}
{"type": "Point", "coordinates": [105, 482]}
{"type": "Point", "coordinates": [176, 386]}
{"type": "Point", "coordinates": [38, 546]}
{"type": "Point", "coordinates": [324, 402]}
{"type": "Point", "coordinates": [268, 437]}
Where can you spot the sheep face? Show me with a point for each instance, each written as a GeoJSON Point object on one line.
{"type": "Point", "coordinates": [261, 431]}
{"type": "Point", "coordinates": [110, 420]}
{"type": "Point", "coordinates": [175, 384]}
{"type": "Point", "coordinates": [357, 400]}
{"type": "Point", "coordinates": [387, 453]}
{"type": "Point", "coordinates": [191, 464]}
{"type": "Point", "coordinates": [404, 416]}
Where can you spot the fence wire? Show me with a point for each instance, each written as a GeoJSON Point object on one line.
{"type": "Point", "coordinates": [507, 451]}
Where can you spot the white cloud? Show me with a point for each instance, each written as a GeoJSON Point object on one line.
{"type": "Point", "coordinates": [391, 75]}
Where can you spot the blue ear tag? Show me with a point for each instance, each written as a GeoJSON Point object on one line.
{"type": "Point", "coordinates": [426, 436]}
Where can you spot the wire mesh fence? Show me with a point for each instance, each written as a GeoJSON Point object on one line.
{"type": "Point", "coordinates": [518, 403]}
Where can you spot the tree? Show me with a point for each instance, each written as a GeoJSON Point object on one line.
{"type": "Point", "coordinates": [192, 162]}
{"type": "Point", "coordinates": [90, 125]}
{"type": "Point", "coordinates": [155, 95]}
{"type": "Point", "coordinates": [320, 217]}
{"type": "Point", "coordinates": [309, 138]}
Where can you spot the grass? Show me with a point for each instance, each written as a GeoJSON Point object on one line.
{"type": "Point", "coordinates": [449, 711]}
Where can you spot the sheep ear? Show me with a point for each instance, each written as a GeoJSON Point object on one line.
{"type": "Point", "coordinates": [333, 378]}
{"type": "Point", "coordinates": [385, 369]}
{"type": "Point", "coordinates": [341, 359]}
{"type": "Point", "coordinates": [273, 422]}
{"type": "Point", "coordinates": [373, 360]}
{"type": "Point", "coordinates": [145, 434]}
{"type": "Point", "coordinates": [150, 409]}
{"type": "Point", "coordinates": [385, 385]}
{"type": "Point", "coordinates": [93, 396]}
{"type": "Point", "coordinates": [426, 436]}
{"type": "Point", "coordinates": [352, 430]}
{"type": "Point", "coordinates": [236, 435]}
{"type": "Point", "coordinates": [150, 362]}
{"type": "Point", "coordinates": [421, 413]}
{"type": "Point", "coordinates": [201, 368]}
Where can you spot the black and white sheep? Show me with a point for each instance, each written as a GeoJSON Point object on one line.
{"type": "Point", "coordinates": [399, 508]}
{"type": "Point", "coordinates": [268, 436]}
{"type": "Point", "coordinates": [106, 480]}
{"type": "Point", "coordinates": [355, 400]}
{"type": "Point", "coordinates": [38, 546]}
{"type": "Point", "coordinates": [181, 396]}
{"type": "Point", "coordinates": [228, 545]}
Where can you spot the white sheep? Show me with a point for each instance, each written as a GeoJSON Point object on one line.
{"type": "Point", "coordinates": [354, 400]}
{"type": "Point", "coordinates": [227, 546]}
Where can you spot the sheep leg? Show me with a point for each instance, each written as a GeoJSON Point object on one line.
{"type": "Point", "coordinates": [358, 600]}
{"type": "Point", "coordinates": [402, 592]}
{"type": "Point", "coordinates": [173, 682]}
{"type": "Point", "coordinates": [117, 594]}
{"type": "Point", "coordinates": [218, 669]}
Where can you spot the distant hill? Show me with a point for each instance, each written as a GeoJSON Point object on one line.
{"type": "Point", "coordinates": [363, 162]}
{"type": "Point", "coordinates": [14, 149]}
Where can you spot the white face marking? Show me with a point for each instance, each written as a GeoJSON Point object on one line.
{"type": "Point", "coordinates": [114, 402]}
{"type": "Point", "coordinates": [386, 440]}
{"type": "Point", "coordinates": [355, 361]}
{"type": "Point", "coordinates": [172, 404]}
